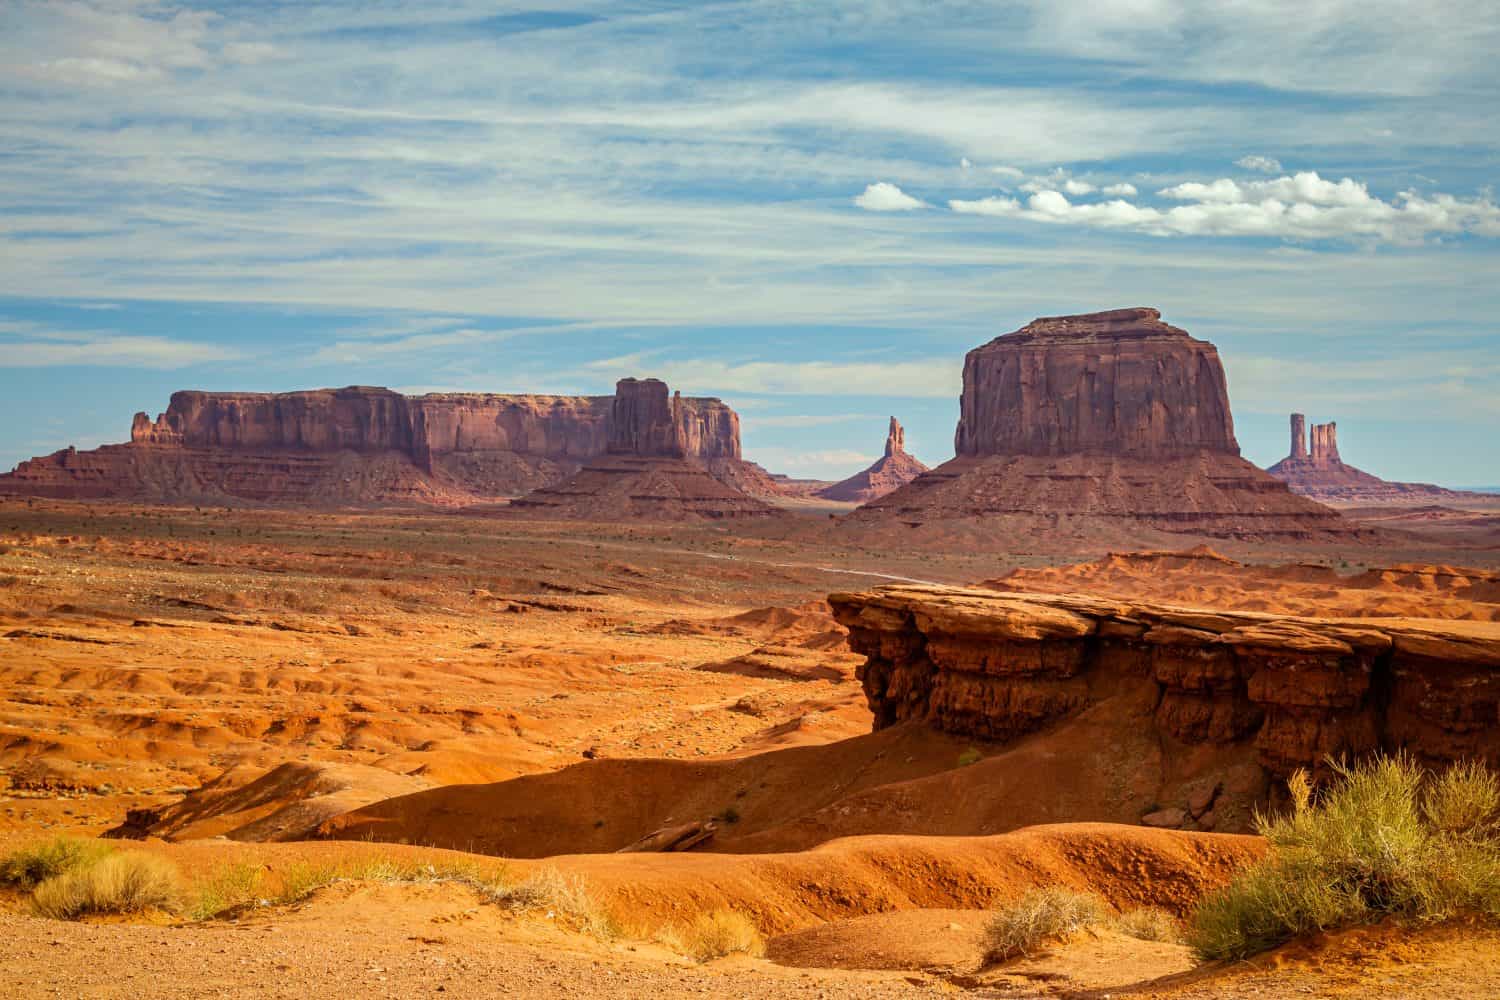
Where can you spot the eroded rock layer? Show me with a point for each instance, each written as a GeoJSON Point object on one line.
{"type": "Point", "coordinates": [365, 444]}
{"type": "Point", "coordinates": [1109, 417]}
{"type": "Point", "coordinates": [1291, 690]}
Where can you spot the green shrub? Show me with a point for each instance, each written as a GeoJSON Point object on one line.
{"type": "Point", "coordinates": [27, 867]}
{"type": "Point", "coordinates": [1040, 915]}
{"type": "Point", "coordinates": [1382, 839]}
{"type": "Point", "coordinates": [129, 882]}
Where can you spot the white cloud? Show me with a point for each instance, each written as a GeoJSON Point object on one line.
{"type": "Point", "coordinates": [883, 197]}
{"type": "Point", "coordinates": [1300, 207]}
{"type": "Point", "coordinates": [1011, 172]}
{"type": "Point", "coordinates": [1122, 190]}
{"type": "Point", "coordinates": [1077, 187]}
{"type": "Point", "coordinates": [1260, 164]}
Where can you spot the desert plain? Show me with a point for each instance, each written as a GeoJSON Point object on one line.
{"type": "Point", "coordinates": [234, 685]}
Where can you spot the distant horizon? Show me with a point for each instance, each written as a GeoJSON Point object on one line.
{"type": "Point", "coordinates": [811, 211]}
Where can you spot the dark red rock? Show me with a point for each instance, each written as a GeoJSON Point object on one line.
{"type": "Point", "coordinates": [1112, 383]}
{"type": "Point", "coordinates": [370, 445]}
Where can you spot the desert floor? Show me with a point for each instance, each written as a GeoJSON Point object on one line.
{"type": "Point", "coordinates": [249, 675]}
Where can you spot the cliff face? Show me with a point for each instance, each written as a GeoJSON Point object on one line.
{"type": "Point", "coordinates": [1114, 383]}
{"type": "Point", "coordinates": [1115, 421]}
{"type": "Point", "coordinates": [890, 472]}
{"type": "Point", "coordinates": [1221, 688]}
{"type": "Point", "coordinates": [332, 443]}
{"type": "Point", "coordinates": [654, 468]}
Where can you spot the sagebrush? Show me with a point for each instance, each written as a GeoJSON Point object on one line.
{"type": "Point", "coordinates": [1383, 838]}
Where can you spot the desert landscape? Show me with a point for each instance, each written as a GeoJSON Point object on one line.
{"type": "Point", "coordinates": [835, 501]}
{"type": "Point", "coordinates": [535, 696]}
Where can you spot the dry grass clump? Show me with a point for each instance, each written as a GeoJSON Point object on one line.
{"type": "Point", "coordinates": [1149, 924]}
{"type": "Point", "coordinates": [226, 890]}
{"type": "Point", "coordinates": [560, 895]}
{"type": "Point", "coordinates": [716, 934]}
{"type": "Point", "coordinates": [129, 882]}
{"type": "Point", "coordinates": [29, 866]}
{"type": "Point", "coordinates": [1040, 915]}
{"type": "Point", "coordinates": [1383, 839]}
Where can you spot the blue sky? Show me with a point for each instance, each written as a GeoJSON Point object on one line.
{"type": "Point", "coordinates": [811, 210]}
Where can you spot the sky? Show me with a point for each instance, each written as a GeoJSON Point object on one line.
{"type": "Point", "coordinates": [811, 210]}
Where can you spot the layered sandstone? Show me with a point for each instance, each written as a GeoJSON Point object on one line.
{"type": "Point", "coordinates": [364, 444]}
{"type": "Point", "coordinates": [653, 469]}
{"type": "Point", "coordinates": [1237, 688]}
{"type": "Point", "coordinates": [1111, 383]}
{"type": "Point", "coordinates": [1319, 472]}
{"type": "Point", "coordinates": [1112, 418]}
{"type": "Point", "coordinates": [890, 472]}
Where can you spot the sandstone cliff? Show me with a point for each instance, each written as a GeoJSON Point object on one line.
{"type": "Point", "coordinates": [653, 469]}
{"type": "Point", "coordinates": [1222, 691]}
{"type": "Point", "coordinates": [1320, 473]}
{"type": "Point", "coordinates": [893, 470]}
{"type": "Point", "coordinates": [365, 444]}
{"type": "Point", "coordinates": [1114, 421]}
{"type": "Point", "coordinates": [1113, 383]}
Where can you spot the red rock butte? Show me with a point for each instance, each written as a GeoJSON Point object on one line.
{"type": "Point", "coordinates": [364, 444]}
{"type": "Point", "coordinates": [1319, 472]}
{"type": "Point", "coordinates": [651, 470]}
{"type": "Point", "coordinates": [1114, 417]}
{"type": "Point", "coordinates": [890, 472]}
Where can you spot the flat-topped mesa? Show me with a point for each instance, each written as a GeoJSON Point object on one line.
{"type": "Point", "coordinates": [1115, 383]}
{"type": "Point", "coordinates": [368, 444]}
{"type": "Point", "coordinates": [1210, 699]}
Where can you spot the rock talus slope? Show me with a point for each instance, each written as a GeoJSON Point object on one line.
{"type": "Point", "coordinates": [1113, 417]}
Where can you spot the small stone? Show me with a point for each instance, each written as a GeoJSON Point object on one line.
{"type": "Point", "coordinates": [1166, 818]}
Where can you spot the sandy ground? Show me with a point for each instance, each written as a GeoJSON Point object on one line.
{"type": "Point", "coordinates": [254, 673]}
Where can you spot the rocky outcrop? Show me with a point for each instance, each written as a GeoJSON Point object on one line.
{"type": "Point", "coordinates": [893, 470]}
{"type": "Point", "coordinates": [1111, 383]}
{"type": "Point", "coordinates": [1113, 420]}
{"type": "Point", "coordinates": [653, 469]}
{"type": "Point", "coordinates": [366, 444]}
{"type": "Point", "coordinates": [1320, 473]}
{"type": "Point", "coordinates": [1281, 692]}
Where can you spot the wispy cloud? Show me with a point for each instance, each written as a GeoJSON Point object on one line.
{"type": "Point", "coordinates": [29, 345]}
